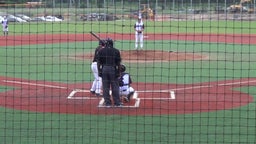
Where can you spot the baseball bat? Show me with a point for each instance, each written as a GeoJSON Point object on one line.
{"type": "Point", "coordinates": [95, 35]}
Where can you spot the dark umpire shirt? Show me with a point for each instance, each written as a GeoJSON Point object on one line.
{"type": "Point", "coordinates": [109, 56]}
{"type": "Point", "coordinates": [109, 60]}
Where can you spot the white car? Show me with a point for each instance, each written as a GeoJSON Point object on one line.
{"type": "Point", "coordinates": [37, 19]}
{"type": "Point", "coordinates": [52, 19]}
{"type": "Point", "coordinates": [20, 19]}
{"type": "Point", "coordinates": [12, 18]}
{"type": "Point", "coordinates": [1, 18]}
{"type": "Point", "coordinates": [24, 17]}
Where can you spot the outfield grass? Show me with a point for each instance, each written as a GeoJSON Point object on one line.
{"type": "Point", "coordinates": [49, 62]}
{"type": "Point", "coordinates": [126, 26]}
{"type": "Point", "coordinates": [225, 61]}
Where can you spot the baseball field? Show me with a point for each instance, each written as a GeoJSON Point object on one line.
{"type": "Point", "coordinates": [194, 80]}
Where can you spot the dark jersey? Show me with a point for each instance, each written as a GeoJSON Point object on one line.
{"type": "Point", "coordinates": [95, 58]}
{"type": "Point", "coordinates": [109, 56]}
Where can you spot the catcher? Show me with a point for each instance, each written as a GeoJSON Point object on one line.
{"type": "Point", "coordinates": [125, 90]}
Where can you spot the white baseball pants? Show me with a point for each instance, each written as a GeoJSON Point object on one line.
{"type": "Point", "coordinates": [97, 82]}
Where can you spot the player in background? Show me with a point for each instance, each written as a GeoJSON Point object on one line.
{"type": "Point", "coordinates": [139, 28]}
{"type": "Point", "coordinates": [5, 26]}
{"type": "Point", "coordinates": [97, 82]}
{"type": "Point", "coordinates": [125, 89]}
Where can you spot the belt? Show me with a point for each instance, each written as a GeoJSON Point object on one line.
{"type": "Point", "coordinates": [125, 85]}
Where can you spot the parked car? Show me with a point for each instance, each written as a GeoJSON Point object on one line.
{"type": "Point", "coordinates": [59, 17]}
{"type": "Point", "coordinates": [12, 18]}
{"type": "Point", "coordinates": [52, 19]}
{"type": "Point", "coordinates": [1, 18]}
{"type": "Point", "coordinates": [90, 17]}
{"type": "Point", "coordinates": [37, 19]}
{"type": "Point", "coordinates": [107, 17]}
{"type": "Point", "coordinates": [98, 17]}
{"type": "Point", "coordinates": [24, 17]}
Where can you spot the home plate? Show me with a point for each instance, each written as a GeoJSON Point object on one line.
{"type": "Point", "coordinates": [134, 100]}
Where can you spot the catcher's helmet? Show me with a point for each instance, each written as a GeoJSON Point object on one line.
{"type": "Point", "coordinates": [122, 68]}
{"type": "Point", "coordinates": [109, 42]}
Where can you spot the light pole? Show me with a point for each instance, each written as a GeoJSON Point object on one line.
{"type": "Point", "coordinates": [173, 4]}
{"type": "Point", "coordinates": [191, 4]}
{"type": "Point", "coordinates": [156, 9]}
{"type": "Point", "coordinates": [253, 6]}
{"type": "Point", "coordinates": [209, 6]}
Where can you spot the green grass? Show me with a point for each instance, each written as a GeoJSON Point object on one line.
{"type": "Point", "coordinates": [51, 62]}
{"type": "Point", "coordinates": [126, 26]}
{"type": "Point", "coordinates": [236, 126]}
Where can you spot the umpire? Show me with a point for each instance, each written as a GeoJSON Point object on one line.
{"type": "Point", "coordinates": [109, 61]}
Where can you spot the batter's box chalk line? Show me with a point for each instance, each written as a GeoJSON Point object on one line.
{"type": "Point", "coordinates": [74, 91]}
{"type": "Point", "coordinates": [172, 95]}
{"type": "Point", "coordinates": [135, 97]}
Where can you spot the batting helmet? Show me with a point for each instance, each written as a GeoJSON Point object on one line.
{"type": "Point", "coordinates": [102, 42]}
{"type": "Point", "coordinates": [109, 42]}
{"type": "Point", "coordinates": [122, 68]}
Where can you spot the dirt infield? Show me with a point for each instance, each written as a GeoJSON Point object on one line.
{"type": "Point", "coordinates": [59, 38]}
{"type": "Point", "coordinates": [150, 98]}
{"type": "Point", "coordinates": [143, 56]}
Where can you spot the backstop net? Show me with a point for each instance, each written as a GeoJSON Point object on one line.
{"type": "Point", "coordinates": [189, 71]}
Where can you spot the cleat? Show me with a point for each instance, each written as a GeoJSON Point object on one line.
{"type": "Point", "coordinates": [119, 105]}
{"type": "Point", "coordinates": [92, 92]}
{"type": "Point", "coordinates": [107, 105]}
{"type": "Point", "coordinates": [98, 95]}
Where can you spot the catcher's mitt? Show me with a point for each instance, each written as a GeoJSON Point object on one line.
{"type": "Point", "coordinates": [6, 26]}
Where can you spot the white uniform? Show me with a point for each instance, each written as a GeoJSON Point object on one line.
{"type": "Point", "coordinates": [5, 26]}
{"type": "Point", "coordinates": [124, 85]}
{"type": "Point", "coordinates": [139, 28]}
{"type": "Point", "coordinates": [97, 82]}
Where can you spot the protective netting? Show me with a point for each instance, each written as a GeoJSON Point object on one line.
{"type": "Point", "coordinates": [192, 72]}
